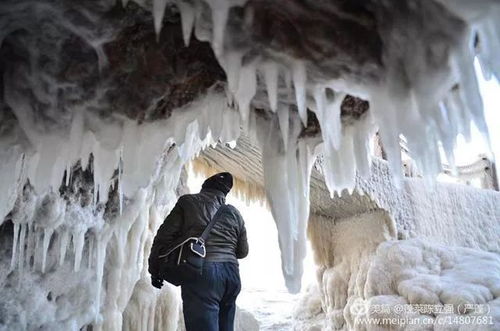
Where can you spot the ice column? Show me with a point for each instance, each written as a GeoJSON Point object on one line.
{"type": "Point", "coordinates": [287, 174]}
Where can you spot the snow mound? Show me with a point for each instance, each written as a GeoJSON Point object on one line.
{"type": "Point", "coordinates": [419, 272]}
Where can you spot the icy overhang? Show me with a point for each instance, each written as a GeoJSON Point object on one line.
{"type": "Point", "coordinates": [416, 208]}
{"type": "Point", "coordinates": [244, 161]}
{"type": "Point", "coordinates": [306, 78]}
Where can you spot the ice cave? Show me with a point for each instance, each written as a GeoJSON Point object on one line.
{"type": "Point", "coordinates": [336, 116]}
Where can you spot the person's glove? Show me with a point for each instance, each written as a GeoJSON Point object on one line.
{"type": "Point", "coordinates": [156, 282]}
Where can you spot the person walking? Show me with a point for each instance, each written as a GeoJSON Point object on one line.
{"type": "Point", "coordinates": [209, 302]}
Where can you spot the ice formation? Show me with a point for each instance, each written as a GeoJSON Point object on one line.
{"type": "Point", "coordinates": [67, 231]}
{"type": "Point", "coordinates": [287, 173]}
{"type": "Point", "coordinates": [428, 89]}
{"type": "Point", "coordinates": [399, 246]}
{"type": "Point", "coordinates": [92, 234]}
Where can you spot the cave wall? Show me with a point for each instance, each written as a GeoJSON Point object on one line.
{"type": "Point", "coordinates": [70, 263]}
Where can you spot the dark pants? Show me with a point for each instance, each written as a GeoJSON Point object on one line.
{"type": "Point", "coordinates": [209, 303]}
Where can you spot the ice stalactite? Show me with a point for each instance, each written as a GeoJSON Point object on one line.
{"type": "Point", "coordinates": [425, 86]}
{"type": "Point", "coordinates": [299, 83]}
{"type": "Point", "coordinates": [187, 17]}
{"type": "Point", "coordinates": [232, 66]}
{"type": "Point", "coordinates": [483, 17]}
{"type": "Point", "coordinates": [22, 215]}
{"type": "Point", "coordinates": [158, 12]}
{"type": "Point", "coordinates": [284, 123]}
{"type": "Point", "coordinates": [287, 173]}
{"type": "Point", "coordinates": [432, 77]}
{"type": "Point", "coordinates": [15, 239]}
{"type": "Point", "coordinates": [271, 78]}
{"type": "Point", "coordinates": [63, 246]}
{"type": "Point", "coordinates": [247, 87]}
{"type": "Point", "coordinates": [12, 164]}
{"type": "Point", "coordinates": [220, 9]}
{"type": "Point", "coordinates": [103, 214]}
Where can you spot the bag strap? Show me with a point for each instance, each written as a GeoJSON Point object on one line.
{"type": "Point", "coordinates": [210, 225]}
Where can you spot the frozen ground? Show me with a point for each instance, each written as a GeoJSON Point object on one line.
{"type": "Point", "coordinates": [272, 308]}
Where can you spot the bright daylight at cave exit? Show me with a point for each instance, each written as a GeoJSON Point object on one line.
{"type": "Point", "coordinates": [248, 165]}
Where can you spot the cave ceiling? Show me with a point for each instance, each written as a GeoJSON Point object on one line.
{"type": "Point", "coordinates": [106, 56]}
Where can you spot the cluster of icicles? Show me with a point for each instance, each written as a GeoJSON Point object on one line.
{"type": "Point", "coordinates": [61, 221]}
{"type": "Point", "coordinates": [52, 213]}
{"type": "Point", "coordinates": [438, 103]}
{"type": "Point", "coordinates": [431, 106]}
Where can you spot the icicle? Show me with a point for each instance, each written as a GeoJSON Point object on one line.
{"type": "Point", "coordinates": [101, 256]}
{"type": "Point", "coordinates": [287, 193]}
{"type": "Point", "coordinates": [30, 250]}
{"type": "Point", "coordinates": [246, 90]}
{"type": "Point", "coordinates": [11, 169]}
{"type": "Point", "coordinates": [187, 19]}
{"type": "Point", "coordinates": [489, 34]}
{"type": "Point", "coordinates": [68, 171]}
{"type": "Point", "coordinates": [233, 67]}
{"type": "Point", "coordinates": [46, 241]}
{"type": "Point", "coordinates": [271, 78]}
{"type": "Point", "coordinates": [383, 107]}
{"type": "Point", "coordinates": [319, 98]}
{"type": "Point", "coordinates": [347, 162]}
{"type": "Point", "coordinates": [328, 114]}
{"type": "Point", "coordinates": [14, 246]}
{"type": "Point", "coordinates": [102, 58]}
{"type": "Point", "coordinates": [120, 191]}
{"type": "Point", "coordinates": [283, 119]}
{"type": "Point", "coordinates": [91, 253]}
{"type": "Point", "coordinates": [220, 9]}
{"type": "Point", "coordinates": [299, 82]}
{"type": "Point", "coordinates": [22, 239]}
{"type": "Point", "coordinates": [37, 253]}
{"type": "Point", "coordinates": [78, 243]}
{"type": "Point", "coordinates": [158, 12]}
{"type": "Point", "coordinates": [361, 139]}
{"type": "Point", "coordinates": [333, 120]}
{"type": "Point", "coordinates": [469, 90]}
{"type": "Point", "coordinates": [64, 241]}
{"type": "Point", "coordinates": [455, 109]}
{"type": "Point", "coordinates": [105, 163]}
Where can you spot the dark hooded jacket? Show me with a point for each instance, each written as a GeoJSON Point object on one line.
{"type": "Point", "coordinates": [227, 241]}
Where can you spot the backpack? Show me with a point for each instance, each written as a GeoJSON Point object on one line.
{"type": "Point", "coordinates": [184, 262]}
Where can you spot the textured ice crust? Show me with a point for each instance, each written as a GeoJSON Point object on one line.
{"type": "Point", "coordinates": [426, 273]}
{"type": "Point", "coordinates": [412, 244]}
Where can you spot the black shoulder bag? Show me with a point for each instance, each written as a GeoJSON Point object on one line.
{"type": "Point", "coordinates": [184, 262]}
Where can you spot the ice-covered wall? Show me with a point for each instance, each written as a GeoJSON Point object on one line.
{"type": "Point", "coordinates": [412, 244]}
{"type": "Point", "coordinates": [76, 247]}
{"type": "Point", "coordinates": [74, 263]}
